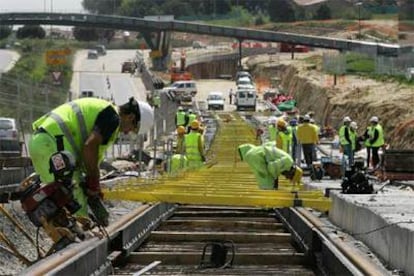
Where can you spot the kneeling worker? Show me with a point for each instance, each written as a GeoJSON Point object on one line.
{"type": "Point", "coordinates": [268, 162]}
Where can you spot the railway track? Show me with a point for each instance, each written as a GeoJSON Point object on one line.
{"type": "Point", "coordinates": [170, 239]}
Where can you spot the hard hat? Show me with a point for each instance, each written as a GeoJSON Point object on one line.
{"type": "Point", "coordinates": [180, 108]}
{"type": "Point", "coordinates": [306, 118]}
{"type": "Point", "coordinates": [374, 119]}
{"type": "Point", "coordinates": [145, 119]}
{"type": "Point", "coordinates": [195, 124]}
{"type": "Point", "coordinates": [347, 119]}
{"type": "Point", "coordinates": [272, 120]}
{"type": "Point", "coordinates": [354, 125]}
{"type": "Point", "coordinates": [293, 122]}
{"type": "Point", "coordinates": [190, 111]}
{"type": "Point", "coordinates": [281, 123]}
{"type": "Point", "coordinates": [181, 130]}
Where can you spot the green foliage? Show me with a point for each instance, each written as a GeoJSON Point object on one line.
{"type": "Point", "coordinates": [359, 63]}
{"type": "Point", "coordinates": [85, 34]}
{"type": "Point", "coordinates": [5, 31]}
{"type": "Point", "coordinates": [281, 11]}
{"type": "Point", "coordinates": [30, 31]}
{"type": "Point", "coordinates": [323, 12]}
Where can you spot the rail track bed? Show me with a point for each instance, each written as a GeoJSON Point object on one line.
{"type": "Point", "coordinates": [260, 242]}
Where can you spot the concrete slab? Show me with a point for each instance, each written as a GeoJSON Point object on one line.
{"type": "Point", "coordinates": [384, 222]}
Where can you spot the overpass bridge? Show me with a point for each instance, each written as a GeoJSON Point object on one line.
{"type": "Point", "coordinates": [157, 32]}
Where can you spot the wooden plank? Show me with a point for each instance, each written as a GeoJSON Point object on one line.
{"type": "Point", "coordinates": [222, 213]}
{"type": "Point", "coordinates": [191, 258]}
{"type": "Point", "coordinates": [223, 223]}
{"type": "Point", "coordinates": [240, 237]}
{"type": "Point", "coordinates": [268, 220]}
{"type": "Point", "coordinates": [15, 162]}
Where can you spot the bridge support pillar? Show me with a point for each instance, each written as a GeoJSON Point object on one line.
{"type": "Point", "coordinates": [159, 43]}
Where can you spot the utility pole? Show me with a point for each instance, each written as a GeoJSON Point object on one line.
{"type": "Point", "coordinates": [359, 4]}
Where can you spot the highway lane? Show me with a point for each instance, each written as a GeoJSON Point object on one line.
{"type": "Point", "coordinates": [7, 59]}
{"type": "Point", "coordinates": [104, 77]}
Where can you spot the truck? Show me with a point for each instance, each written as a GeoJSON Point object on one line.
{"type": "Point", "coordinates": [245, 99]}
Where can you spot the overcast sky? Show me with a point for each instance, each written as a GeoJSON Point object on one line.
{"type": "Point", "coordinates": [40, 5]}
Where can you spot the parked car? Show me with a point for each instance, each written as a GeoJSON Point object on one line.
{"type": "Point", "coordinates": [93, 54]}
{"type": "Point", "coordinates": [128, 66]}
{"type": "Point", "coordinates": [9, 138]}
{"type": "Point", "coordinates": [215, 100]}
{"type": "Point", "coordinates": [183, 90]}
{"type": "Point", "coordinates": [243, 74]}
{"type": "Point", "coordinates": [100, 49]}
{"type": "Point", "coordinates": [87, 93]}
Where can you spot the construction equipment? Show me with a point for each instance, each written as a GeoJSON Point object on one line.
{"type": "Point", "coordinates": [52, 206]}
{"type": "Point", "coordinates": [180, 72]}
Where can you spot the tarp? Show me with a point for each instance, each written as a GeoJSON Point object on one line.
{"type": "Point", "coordinates": [287, 105]}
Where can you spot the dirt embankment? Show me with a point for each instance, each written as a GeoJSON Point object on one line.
{"type": "Point", "coordinates": [357, 97]}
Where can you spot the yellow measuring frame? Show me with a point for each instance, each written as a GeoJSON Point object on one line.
{"type": "Point", "coordinates": [225, 180]}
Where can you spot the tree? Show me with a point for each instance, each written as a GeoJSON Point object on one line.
{"type": "Point", "coordinates": [31, 31]}
{"type": "Point", "coordinates": [323, 12]}
{"type": "Point", "coordinates": [281, 11]}
{"type": "Point", "coordinates": [5, 31]}
{"type": "Point", "coordinates": [85, 34]}
{"type": "Point", "coordinates": [102, 6]}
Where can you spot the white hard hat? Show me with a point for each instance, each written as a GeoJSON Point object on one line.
{"type": "Point", "coordinates": [347, 119]}
{"type": "Point", "coordinates": [272, 120]}
{"type": "Point", "coordinates": [306, 118]}
{"type": "Point", "coordinates": [146, 121]}
{"type": "Point", "coordinates": [354, 125]}
{"type": "Point", "coordinates": [374, 119]}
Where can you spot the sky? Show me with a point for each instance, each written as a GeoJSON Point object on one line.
{"type": "Point", "coordinates": [41, 5]}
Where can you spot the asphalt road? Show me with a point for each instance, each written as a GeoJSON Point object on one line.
{"type": "Point", "coordinates": [96, 74]}
{"type": "Point", "coordinates": [7, 59]}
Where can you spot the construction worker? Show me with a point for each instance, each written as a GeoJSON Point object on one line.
{"type": "Point", "coordinates": [181, 118]}
{"type": "Point", "coordinates": [345, 140]}
{"type": "Point", "coordinates": [156, 100]}
{"type": "Point", "coordinates": [284, 136]}
{"type": "Point", "coordinates": [308, 138]}
{"type": "Point", "coordinates": [179, 160]}
{"type": "Point", "coordinates": [293, 127]}
{"type": "Point", "coordinates": [180, 147]}
{"type": "Point", "coordinates": [268, 162]}
{"type": "Point", "coordinates": [353, 127]}
{"type": "Point", "coordinates": [89, 126]}
{"type": "Point", "coordinates": [191, 117]}
{"type": "Point", "coordinates": [194, 146]}
{"type": "Point", "coordinates": [375, 137]}
{"type": "Point", "coordinates": [271, 128]}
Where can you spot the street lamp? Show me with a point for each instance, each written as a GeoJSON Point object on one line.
{"type": "Point", "coordinates": [359, 4]}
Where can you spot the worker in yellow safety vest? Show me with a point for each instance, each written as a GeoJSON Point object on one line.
{"type": "Point", "coordinates": [271, 128]}
{"type": "Point", "coordinates": [88, 127]}
{"type": "Point", "coordinates": [346, 141]}
{"type": "Point", "coordinates": [180, 146]}
{"type": "Point", "coordinates": [194, 146]}
{"type": "Point", "coordinates": [284, 137]}
{"type": "Point", "coordinates": [191, 117]}
{"type": "Point", "coordinates": [181, 118]}
{"type": "Point", "coordinates": [353, 127]}
{"type": "Point", "coordinates": [268, 162]}
{"type": "Point", "coordinates": [375, 137]}
{"type": "Point", "coordinates": [308, 138]}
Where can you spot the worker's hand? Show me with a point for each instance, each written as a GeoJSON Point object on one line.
{"type": "Point", "coordinates": [93, 188]}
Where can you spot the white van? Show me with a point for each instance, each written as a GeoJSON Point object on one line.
{"type": "Point", "coordinates": [245, 99]}
{"type": "Point", "coordinates": [183, 90]}
{"type": "Point", "coordinates": [215, 100]}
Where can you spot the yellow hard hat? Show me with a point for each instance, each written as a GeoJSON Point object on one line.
{"type": "Point", "coordinates": [180, 130]}
{"type": "Point", "coordinates": [195, 124]}
{"type": "Point", "coordinates": [281, 123]}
